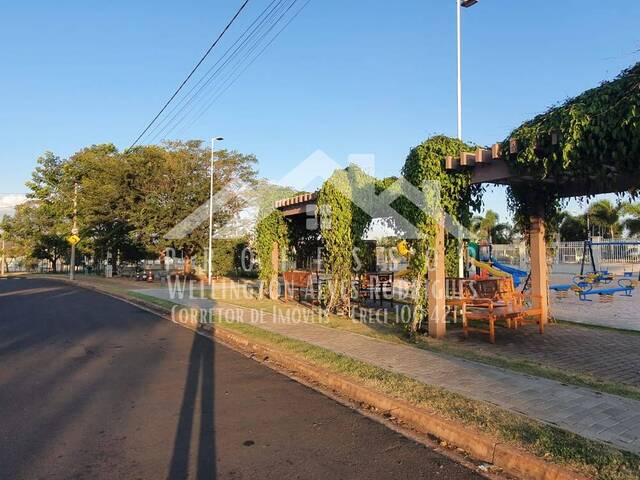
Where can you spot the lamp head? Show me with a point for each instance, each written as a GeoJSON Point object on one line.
{"type": "Point", "coordinates": [468, 3]}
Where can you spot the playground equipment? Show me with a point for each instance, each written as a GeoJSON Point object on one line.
{"type": "Point", "coordinates": [587, 255]}
{"type": "Point", "coordinates": [487, 267]}
{"type": "Point", "coordinates": [625, 286]}
{"type": "Point", "coordinates": [562, 289]}
{"type": "Point", "coordinates": [481, 257]}
{"type": "Point", "coordinates": [585, 283]}
{"type": "Point", "coordinates": [403, 248]}
{"type": "Point", "coordinates": [584, 287]}
{"type": "Point", "coordinates": [518, 275]}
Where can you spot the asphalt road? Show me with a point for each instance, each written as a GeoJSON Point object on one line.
{"type": "Point", "coordinates": [91, 387]}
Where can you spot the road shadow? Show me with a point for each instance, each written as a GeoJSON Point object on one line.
{"type": "Point", "coordinates": [196, 415]}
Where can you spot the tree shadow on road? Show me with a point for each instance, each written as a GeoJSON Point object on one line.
{"type": "Point", "coordinates": [199, 380]}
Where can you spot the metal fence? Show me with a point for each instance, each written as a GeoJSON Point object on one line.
{"type": "Point", "coordinates": [509, 254]}
{"type": "Point", "coordinates": [608, 252]}
{"type": "Point", "coordinates": [605, 252]}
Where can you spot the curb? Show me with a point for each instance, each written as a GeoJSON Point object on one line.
{"type": "Point", "coordinates": [483, 447]}
{"type": "Point", "coordinates": [479, 445]}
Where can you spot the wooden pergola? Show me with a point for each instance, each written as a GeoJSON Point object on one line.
{"type": "Point", "coordinates": [488, 165]}
{"type": "Point", "coordinates": [590, 145]}
{"type": "Point", "coordinates": [303, 204]}
{"type": "Point", "coordinates": [587, 146]}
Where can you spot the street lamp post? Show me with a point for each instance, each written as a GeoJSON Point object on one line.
{"type": "Point", "coordinates": [3, 258]}
{"type": "Point", "coordinates": [213, 142]}
{"type": "Point", "coordinates": [74, 231]}
{"type": "Point", "coordinates": [459, 4]}
{"type": "Point", "coordinates": [458, 47]}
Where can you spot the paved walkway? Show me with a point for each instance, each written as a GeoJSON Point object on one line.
{"type": "Point", "coordinates": [594, 415]}
{"type": "Point", "coordinates": [603, 354]}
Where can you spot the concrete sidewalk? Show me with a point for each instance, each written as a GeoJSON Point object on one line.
{"type": "Point", "coordinates": [595, 415]}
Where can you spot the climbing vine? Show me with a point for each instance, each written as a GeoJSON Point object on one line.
{"type": "Point", "coordinates": [589, 138]}
{"type": "Point", "coordinates": [342, 224]}
{"type": "Point", "coordinates": [453, 192]}
{"type": "Point", "coordinates": [271, 230]}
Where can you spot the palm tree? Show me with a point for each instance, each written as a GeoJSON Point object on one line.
{"type": "Point", "coordinates": [606, 216]}
{"type": "Point", "coordinates": [489, 228]}
{"type": "Point", "coordinates": [632, 223]}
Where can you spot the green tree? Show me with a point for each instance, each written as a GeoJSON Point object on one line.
{"type": "Point", "coordinates": [489, 227]}
{"type": "Point", "coordinates": [175, 185]}
{"type": "Point", "coordinates": [51, 247]}
{"type": "Point", "coordinates": [127, 201]}
{"type": "Point", "coordinates": [32, 232]}
{"type": "Point", "coordinates": [631, 222]}
{"type": "Point", "coordinates": [606, 216]}
{"type": "Point", "coordinates": [46, 178]}
{"type": "Point", "coordinates": [573, 228]}
{"type": "Point", "coordinates": [103, 194]}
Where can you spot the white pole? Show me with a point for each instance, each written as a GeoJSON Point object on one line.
{"type": "Point", "coordinates": [2, 260]}
{"type": "Point", "coordinates": [74, 231]}
{"type": "Point", "coordinates": [461, 242]}
{"type": "Point", "coordinates": [459, 70]}
{"type": "Point", "coordinates": [213, 141]}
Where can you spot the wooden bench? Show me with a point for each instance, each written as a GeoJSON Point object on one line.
{"type": "Point", "coordinates": [492, 300]}
{"type": "Point", "coordinates": [297, 279]}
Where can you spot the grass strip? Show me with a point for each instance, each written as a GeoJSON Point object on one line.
{"type": "Point", "coordinates": [593, 458]}
{"type": "Point", "coordinates": [394, 333]}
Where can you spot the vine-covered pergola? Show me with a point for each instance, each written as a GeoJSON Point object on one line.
{"type": "Point", "coordinates": [587, 146]}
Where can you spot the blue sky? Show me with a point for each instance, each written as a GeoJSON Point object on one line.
{"type": "Point", "coordinates": [346, 76]}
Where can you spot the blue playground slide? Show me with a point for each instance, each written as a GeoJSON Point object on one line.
{"type": "Point", "coordinates": [517, 274]}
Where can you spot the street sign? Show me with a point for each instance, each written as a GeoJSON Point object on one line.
{"type": "Point", "coordinates": [73, 239]}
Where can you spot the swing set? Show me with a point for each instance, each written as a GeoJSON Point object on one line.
{"type": "Point", "coordinates": [584, 283]}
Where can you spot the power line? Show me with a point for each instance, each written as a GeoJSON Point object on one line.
{"type": "Point", "coordinates": [251, 44]}
{"type": "Point", "coordinates": [246, 67]}
{"type": "Point", "coordinates": [247, 35]}
{"type": "Point", "coordinates": [160, 126]}
{"type": "Point", "coordinates": [238, 69]}
{"type": "Point", "coordinates": [233, 19]}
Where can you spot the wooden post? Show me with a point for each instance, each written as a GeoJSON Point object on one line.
{"type": "Point", "coordinates": [539, 289]}
{"type": "Point", "coordinates": [275, 265]}
{"type": "Point", "coordinates": [436, 286]}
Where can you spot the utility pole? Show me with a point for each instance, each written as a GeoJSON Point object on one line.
{"type": "Point", "coordinates": [74, 231]}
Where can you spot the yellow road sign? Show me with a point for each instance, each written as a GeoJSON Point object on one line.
{"type": "Point", "coordinates": [73, 239]}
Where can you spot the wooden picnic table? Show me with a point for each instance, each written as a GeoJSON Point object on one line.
{"type": "Point", "coordinates": [490, 300]}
